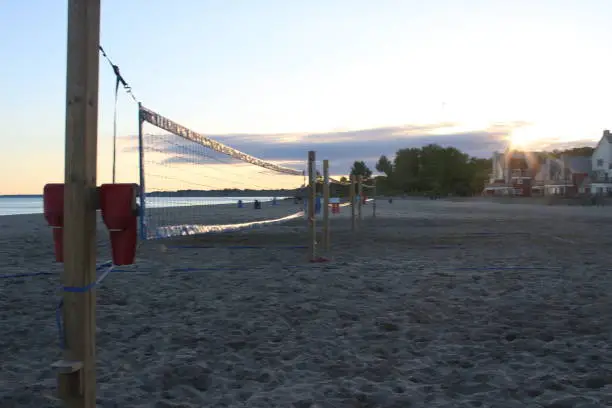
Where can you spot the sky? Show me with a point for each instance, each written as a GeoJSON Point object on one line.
{"type": "Point", "coordinates": [349, 79]}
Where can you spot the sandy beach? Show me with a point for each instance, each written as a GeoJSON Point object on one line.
{"type": "Point", "coordinates": [430, 304]}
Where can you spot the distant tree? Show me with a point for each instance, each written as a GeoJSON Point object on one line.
{"type": "Point", "coordinates": [433, 169]}
{"type": "Point", "coordinates": [406, 169]}
{"type": "Point", "coordinates": [384, 165]}
{"type": "Point", "coordinates": [579, 151]}
{"type": "Point", "coordinates": [479, 170]}
{"type": "Point", "coordinates": [361, 169]}
{"type": "Point", "coordinates": [343, 179]}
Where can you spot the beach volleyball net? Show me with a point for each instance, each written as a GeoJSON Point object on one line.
{"type": "Point", "coordinates": [192, 184]}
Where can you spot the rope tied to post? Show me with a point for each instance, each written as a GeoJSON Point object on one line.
{"type": "Point", "coordinates": [119, 80]}
{"type": "Point", "coordinates": [79, 289]}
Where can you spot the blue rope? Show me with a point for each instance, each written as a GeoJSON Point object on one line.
{"type": "Point", "coordinates": [32, 274]}
{"type": "Point", "coordinates": [236, 247]}
{"type": "Point", "coordinates": [79, 289]}
{"type": "Point", "coordinates": [231, 269]}
{"type": "Point", "coordinates": [508, 268]}
{"type": "Point", "coordinates": [76, 289]}
{"type": "Point", "coordinates": [238, 269]}
{"type": "Point", "coordinates": [25, 275]}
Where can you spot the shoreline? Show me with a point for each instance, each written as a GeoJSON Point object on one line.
{"type": "Point", "coordinates": [246, 200]}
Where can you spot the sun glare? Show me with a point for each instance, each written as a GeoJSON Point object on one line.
{"type": "Point", "coordinates": [523, 138]}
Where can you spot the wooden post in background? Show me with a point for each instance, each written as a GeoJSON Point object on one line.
{"type": "Point", "coordinates": [141, 174]}
{"type": "Point", "coordinates": [312, 191]}
{"type": "Point", "coordinates": [352, 198]}
{"type": "Point", "coordinates": [360, 197]}
{"type": "Point", "coordinates": [374, 198]}
{"type": "Point", "coordinates": [326, 234]}
{"type": "Point", "coordinates": [77, 372]}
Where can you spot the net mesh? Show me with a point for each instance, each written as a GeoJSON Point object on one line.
{"type": "Point", "coordinates": [193, 184]}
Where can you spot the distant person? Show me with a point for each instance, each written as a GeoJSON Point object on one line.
{"type": "Point", "coordinates": [257, 205]}
{"type": "Point", "coordinates": [240, 204]}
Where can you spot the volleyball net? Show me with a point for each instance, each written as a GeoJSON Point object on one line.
{"type": "Point", "coordinates": [192, 184]}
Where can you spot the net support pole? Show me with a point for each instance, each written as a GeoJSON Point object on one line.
{"type": "Point", "coordinates": [77, 370]}
{"type": "Point", "coordinates": [142, 211]}
{"type": "Point", "coordinates": [326, 232]}
{"type": "Point", "coordinates": [312, 190]}
{"type": "Point", "coordinates": [360, 197]}
{"type": "Point", "coordinates": [352, 198]}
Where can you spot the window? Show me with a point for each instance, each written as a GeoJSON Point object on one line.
{"type": "Point", "coordinates": [599, 162]}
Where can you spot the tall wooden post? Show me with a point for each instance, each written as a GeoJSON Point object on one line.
{"type": "Point", "coordinates": [326, 234]}
{"type": "Point", "coordinates": [141, 174]}
{"type": "Point", "coordinates": [312, 191]}
{"type": "Point", "coordinates": [352, 198]}
{"type": "Point", "coordinates": [77, 372]}
{"type": "Point", "coordinates": [360, 197]}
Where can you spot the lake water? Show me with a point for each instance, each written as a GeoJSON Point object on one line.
{"type": "Point", "coordinates": [34, 205]}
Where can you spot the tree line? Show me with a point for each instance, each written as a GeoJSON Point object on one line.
{"type": "Point", "coordinates": [437, 170]}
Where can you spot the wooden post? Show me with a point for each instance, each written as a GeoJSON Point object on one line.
{"type": "Point", "coordinates": [374, 198]}
{"type": "Point", "coordinates": [352, 198]}
{"type": "Point", "coordinates": [77, 372]}
{"type": "Point", "coordinates": [326, 233]}
{"type": "Point", "coordinates": [312, 191]}
{"type": "Point", "coordinates": [141, 174]}
{"type": "Point", "coordinates": [360, 197]}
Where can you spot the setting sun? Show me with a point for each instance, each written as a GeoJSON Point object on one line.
{"type": "Point", "coordinates": [523, 138]}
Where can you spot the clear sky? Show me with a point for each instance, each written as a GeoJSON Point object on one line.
{"type": "Point", "coordinates": [352, 79]}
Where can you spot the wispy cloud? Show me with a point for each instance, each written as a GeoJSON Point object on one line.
{"type": "Point", "coordinates": [340, 147]}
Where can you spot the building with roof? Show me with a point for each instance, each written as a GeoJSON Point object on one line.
{"type": "Point", "coordinates": [523, 173]}
{"type": "Point", "coordinates": [601, 175]}
{"type": "Point", "coordinates": [564, 175]}
{"type": "Point", "coordinates": [513, 173]}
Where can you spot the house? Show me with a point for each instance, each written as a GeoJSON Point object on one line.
{"type": "Point", "coordinates": [564, 175]}
{"type": "Point", "coordinates": [601, 175]}
{"type": "Point", "coordinates": [513, 173]}
{"type": "Point", "coordinates": [535, 173]}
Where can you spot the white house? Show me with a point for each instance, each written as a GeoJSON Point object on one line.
{"type": "Point", "coordinates": [601, 177]}
{"type": "Point", "coordinates": [564, 175]}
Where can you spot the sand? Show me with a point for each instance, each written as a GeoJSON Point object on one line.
{"type": "Point", "coordinates": [431, 304]}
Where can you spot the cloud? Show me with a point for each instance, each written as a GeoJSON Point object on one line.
{"type": "Point", "coordinates": [342, 148]}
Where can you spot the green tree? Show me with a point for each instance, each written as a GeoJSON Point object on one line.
{"type": "Point", "coordinates": [406, 169]}
{"type": "Point", "coordinates": [479, 174]}
{"type": "Point", "coordinates": [434, 169]}
{"type": "Point", "coordinates": [384, 165]}
{"type": "Point", "coordinates": [574, 152]}
{"type": "Point", "coordinates": [361, 169]}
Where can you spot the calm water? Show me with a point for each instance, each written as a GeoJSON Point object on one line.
{"type": "Point", "coordinates": [34, 205]}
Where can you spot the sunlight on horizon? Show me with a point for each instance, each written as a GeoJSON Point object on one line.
{"type": "Point", "coordinates": [44, 168]}
{"type": "Point", "coordinates": [523, 138]}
